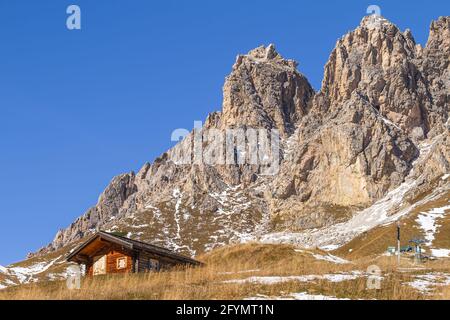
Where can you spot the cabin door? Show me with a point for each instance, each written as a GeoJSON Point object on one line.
{"type": "Point", "coordinates": [99, 265]}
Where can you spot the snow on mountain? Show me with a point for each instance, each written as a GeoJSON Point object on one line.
{"type": "Point", "coordinates": [427, 222]}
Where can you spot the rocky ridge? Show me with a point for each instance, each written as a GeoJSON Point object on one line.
{"type": "Point", "coordinates": [344, 148]}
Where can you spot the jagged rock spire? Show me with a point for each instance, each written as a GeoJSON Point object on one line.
{"type": "Point", "coordinates": [264, 90]}
{"type": "Point", "coordinates": [379, 61]}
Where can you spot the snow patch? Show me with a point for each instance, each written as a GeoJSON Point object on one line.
{"type": "Point", "coordinates": [440, 253]}
{"type": "Point", "coordinates": [339, 277]}
{"type": "Point", "coordinates": [26, 274]}
{"type": "Point", "coordinates": [425, 283]}
{"type": "Point", "coordinates": [306, 296]}
{"type": "Point", "coordinates": [179, 197]}
{"type": "Point", "coordinates": [329, 247]}
{"type": "Point", "coordinates": [296, 296]}
{"type": "Point", "coordinates": [331, 258]}
{"type": "Point", "coordinates": [427, 222]}
{"type": "Point", "coordinates": [173, 242]}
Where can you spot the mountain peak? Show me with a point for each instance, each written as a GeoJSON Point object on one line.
{"type": "Point", "coordinates": [439, 38]}
{"type": "Point", "coordinates": [442, 22]}
{"type": "Point", "coordinates": [265, 90]}
{"type": "Point", "coordinates": [376, 21]}
{"type": "Point", "coordinates": [263, 54]}
{"type": "Point", "coordinates": [378, 60]}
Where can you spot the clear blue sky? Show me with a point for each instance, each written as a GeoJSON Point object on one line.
{"type": "Point", "coordinates": [78, 107]}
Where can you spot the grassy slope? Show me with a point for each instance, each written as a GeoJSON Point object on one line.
{"type": "Point", "coordinates": [376, 241]}
{"type": "Point", "coordinates": [236, 262]}
{"type": "Point", "coordinates": [55, 270]}
{"type": "Point", "coordinates": [277, 260]}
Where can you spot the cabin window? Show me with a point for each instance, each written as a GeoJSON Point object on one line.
{"type": "Point", "coordinates": [122, 263]}
{"type": "Point", "coordinates": [153, 265]}
{"type": "Point", "coordinates": [99, 266]}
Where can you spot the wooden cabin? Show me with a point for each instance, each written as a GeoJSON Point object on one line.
{"type": "Point", "coordinates": [107, 253]}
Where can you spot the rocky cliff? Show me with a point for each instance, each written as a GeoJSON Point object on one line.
{"type": "Point", "coordinates": [342, 149]}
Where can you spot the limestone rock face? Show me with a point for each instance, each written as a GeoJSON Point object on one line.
{"type": "Point", "coordinates": [433, 172]}
{"type": "Point", "coordinates": [265, 91]}
{"type": "Point", "coordinates": [350, 158]}
{"type": "Point", "coordinates": [378, 61]}
{"type": "Point", "coordinates": [435, 66]}
{"type": "Point", "coordinates": [380, 118]}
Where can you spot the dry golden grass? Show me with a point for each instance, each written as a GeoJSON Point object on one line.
{"type": "Point", "coordinates": [377, 240]}
{"type": "Point", "coordinates": [237, 262]}
{"type": "Point", "coordinates": [445, 293]}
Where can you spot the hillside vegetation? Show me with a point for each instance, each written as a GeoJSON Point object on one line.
{"type": "Point", "coordinates": [257, 271]}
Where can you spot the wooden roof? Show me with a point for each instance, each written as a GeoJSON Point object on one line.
{"type": "Point", "coordinates": [96, 241]}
